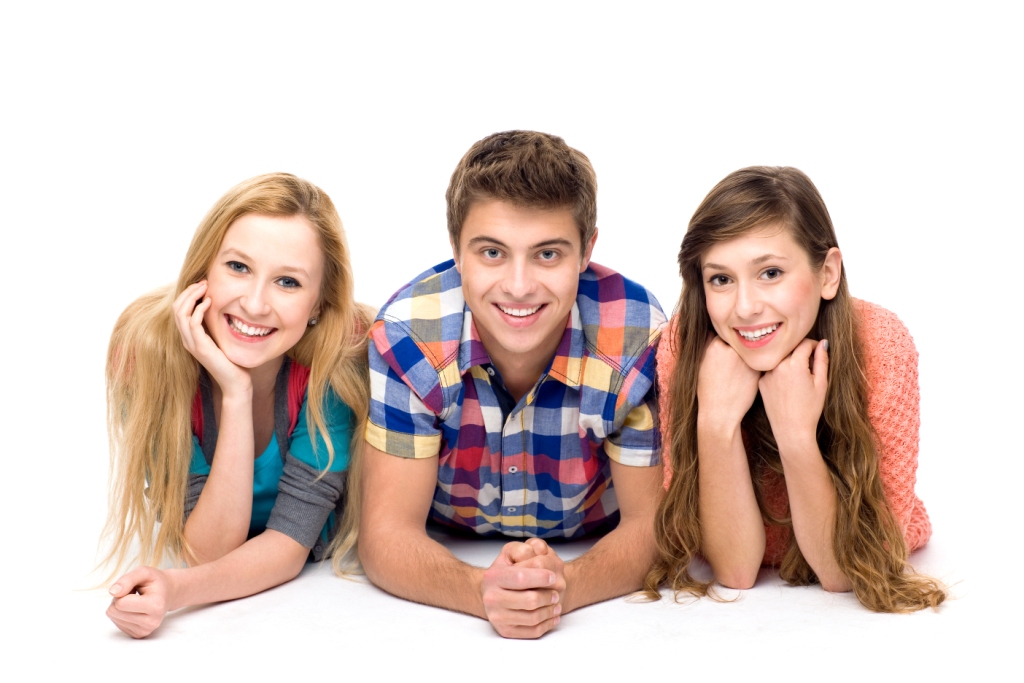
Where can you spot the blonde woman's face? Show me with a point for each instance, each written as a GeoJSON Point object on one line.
{"type": "Point", "coordinates": [763, 295]}
{"type": "Point", "coordinates": [264, 285]}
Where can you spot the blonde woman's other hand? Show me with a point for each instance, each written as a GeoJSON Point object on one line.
{"type": "Point", "coordinates": [188, 315]}
{"type": "Point", "coordinates": [141, 599]}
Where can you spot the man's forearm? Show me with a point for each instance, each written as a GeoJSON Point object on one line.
{"type": "Point", "coordinates": [413, 566]}
{"type": "Point", "coordinates": [616, 565]}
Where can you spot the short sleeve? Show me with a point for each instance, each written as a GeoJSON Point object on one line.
{"type": "Point", "coordinates": [400, 423]}
{"type": "Point", "coordinates": [637, 441]}
{"type": "Point", "coordinates": [307, 493]}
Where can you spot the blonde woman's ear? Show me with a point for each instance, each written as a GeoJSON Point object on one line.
{"type": "Point", "coordinates": [831, 272]}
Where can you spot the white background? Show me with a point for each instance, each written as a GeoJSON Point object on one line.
{"type": "Point", "coordinates": [122, 124]}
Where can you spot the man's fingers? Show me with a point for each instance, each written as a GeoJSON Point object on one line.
{"type": "Point", "coordinates": [518, 578]}
{"type": "Point", "coordinates": [524, 601]}
{"type": "Point", "coordinates": [520, 552]}
{"type": "Point", "coordinates": [528, 632]}
{"type": "Point", "coordinates": [539, 545]}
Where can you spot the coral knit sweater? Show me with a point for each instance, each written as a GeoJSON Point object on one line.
{"type": "Point", "coordinates": [893, 408]}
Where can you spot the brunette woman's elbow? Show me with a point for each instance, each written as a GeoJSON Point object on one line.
{"type": "Point", "coordinates": [738, 577]}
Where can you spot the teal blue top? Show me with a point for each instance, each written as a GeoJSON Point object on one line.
{"type": "Point", "coordinates": [270, 466]}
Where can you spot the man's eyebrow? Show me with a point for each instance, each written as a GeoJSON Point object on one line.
{"type": "Point", "coordinates": [555, 242]}
{"type": "Point", "coordinates": [489, 240]}
{"type": "Point", "coordinates": [231, 251]}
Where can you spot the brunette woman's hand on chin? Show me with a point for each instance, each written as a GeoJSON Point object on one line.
{"type": "Point", "coordinates": [188, 315]}
{"type": "Point", "coordinates": [726, 386]}
{"type": "Point", "coordinates": [794, 396]}
{"type": "Point", "coordinates": [732, 530]}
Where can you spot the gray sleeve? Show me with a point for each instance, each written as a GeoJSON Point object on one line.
{"type": "Point", "coordinates": [304, 501]}
{"type": "Point", "coordinates": [196, 482]}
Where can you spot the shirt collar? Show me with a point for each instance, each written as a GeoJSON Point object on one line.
{"type": "Point", "coordinates": [565, 366]}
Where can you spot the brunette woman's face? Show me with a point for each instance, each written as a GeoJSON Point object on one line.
{"type": "Point", "coordinates": [264, 285]}
{"type": "Point", "coordinates": [763, 295]}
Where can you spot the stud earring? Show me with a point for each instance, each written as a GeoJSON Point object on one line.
{"type": "Point", "coordinates": [313, 322]}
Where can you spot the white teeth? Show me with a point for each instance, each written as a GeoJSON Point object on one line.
{"type": "Point", "coordinates": [249, 330]}
{"type": "Point", "coordinates": [519, 312]}
{"type": "Point", "coordinates": [758, 334]}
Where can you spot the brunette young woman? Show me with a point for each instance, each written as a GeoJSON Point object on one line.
{"type": "Point", "coordinates": [232, 400]}
{"type": "Point", "coordinates": [789, 409]}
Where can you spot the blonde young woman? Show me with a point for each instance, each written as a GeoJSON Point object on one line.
{"type": "Point", "coordinates": [790, 409]}
{"type": "Point", "coordinates": [232, 401]}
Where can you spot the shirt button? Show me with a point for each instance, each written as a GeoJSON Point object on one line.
{"type": "Point", "coordinates": [511, 509]}
{"type": "Point", "coordinates": [513, 469]}
{"type": "Point", "coordinates": [490, 371]}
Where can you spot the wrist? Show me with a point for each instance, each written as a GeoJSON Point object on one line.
{"type": "Point", "coordinates": [717, 428]}
{"type": "Point", "coordinates": [177, 581]}
{"type": "Point", "coordinates": [796, 448]}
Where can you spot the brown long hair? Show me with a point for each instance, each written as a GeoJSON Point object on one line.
{"type": "Point", "coordinates": [867, 541]}
{"type": "Point", "coordinates": [152, 378]}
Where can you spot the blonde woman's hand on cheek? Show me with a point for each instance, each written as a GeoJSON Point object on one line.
{"type": "Point", "coordinates": [794, 394]}
{"type": "Point", "coordinates": [726, 386]}
{"type": "Point", "coordinates": [141, 599]}
{"type": "Point", "coordinates": [188, 315]}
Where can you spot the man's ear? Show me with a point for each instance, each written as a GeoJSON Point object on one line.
{"type": "Point", "coordinates": [455, 255]}
{"type": "Point", "coordinates": [831, 270]}
{"type": "Point", "coordinates": [589, 251]}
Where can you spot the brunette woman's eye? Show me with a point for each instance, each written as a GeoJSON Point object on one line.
{"type": "Point", "coordinates": [238, 267]}
{"type": "Point", "coordinates": [718, 280]}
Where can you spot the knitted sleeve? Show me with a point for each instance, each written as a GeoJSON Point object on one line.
{"type": "Point", "coordinates": [666, 364]}
{"type": "Point", "coordinates": [894, 410]}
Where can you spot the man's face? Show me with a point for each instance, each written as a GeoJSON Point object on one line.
{"type": "Point", "coordinates": [520, 272]}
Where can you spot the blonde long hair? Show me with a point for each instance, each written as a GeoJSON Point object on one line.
{"type": "Point", "coordinates": [151, 377]}
{"type": "Point", "coordinates": [868, 543]}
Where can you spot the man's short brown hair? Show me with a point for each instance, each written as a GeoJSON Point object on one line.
{"type": "Point", "coordinates": [527, 169]}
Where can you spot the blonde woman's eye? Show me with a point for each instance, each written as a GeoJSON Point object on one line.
{"type": "Point", "coordinates": [289, 282]}
{"type": "Point", "coordinates": [238, 267]}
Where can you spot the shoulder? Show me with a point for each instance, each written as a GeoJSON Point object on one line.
{"type": "Point", "coordinates": [426, 314]}
{"type": "Point", "coordinates": [887, 343]}
{"type": "Point", "coordinates": [621, 319]}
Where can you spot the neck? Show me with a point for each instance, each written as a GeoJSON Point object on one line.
{"type": "Point", "coordinates": [264, 378]}
{"type": "Point", "coordinates": [521, 370]}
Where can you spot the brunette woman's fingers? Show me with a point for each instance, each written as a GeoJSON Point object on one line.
{"type": "Point", "coordinates": [820, 369]}
{"type": "Point", "coordinates": [802, 353]}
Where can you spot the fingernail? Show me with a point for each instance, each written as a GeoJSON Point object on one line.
{"type": "Point", "coordinates": [826, 344]}
{"type": "Point", "coordinates": [558, 610]}
{"type": "Point", "coordinates": [551, 579]}
{"type": "Point", "coordinates": [557, 619]}
{"type": "Point", "coordinates": [115, 589]}
{"type": "Point", "coordinates": [554, 599]}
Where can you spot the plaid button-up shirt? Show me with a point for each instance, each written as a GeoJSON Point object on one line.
{"type": "Point", "coordinates": [544, 471]}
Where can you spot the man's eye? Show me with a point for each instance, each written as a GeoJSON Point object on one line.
{"type": "Point", "coordinates": [238, 267]}
{"type": "Point", "coordinates": [772, 273]}
{"type": "Point", "coordinates": [492, 253]}
{"type": "Point", "coordinates": [548, 255]}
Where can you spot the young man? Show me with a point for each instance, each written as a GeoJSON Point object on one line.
{"type": "Point", "coordinates": [515, 385]}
